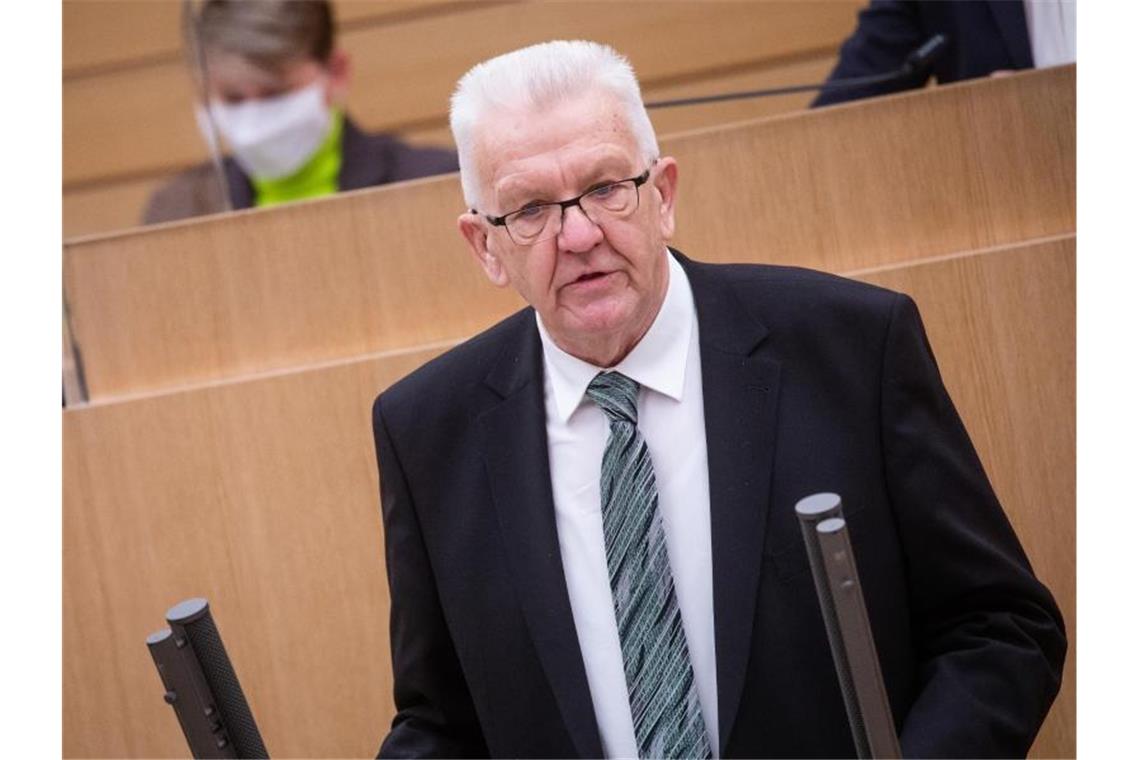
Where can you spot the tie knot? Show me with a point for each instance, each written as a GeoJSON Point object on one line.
{"type": "Point", "coordinates": [616, 394]}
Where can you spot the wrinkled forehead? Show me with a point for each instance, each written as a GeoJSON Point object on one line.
{"type": "Point", "coordinates": [566, 139]}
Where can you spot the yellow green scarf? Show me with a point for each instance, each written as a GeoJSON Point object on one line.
{"type": "Point", "coordinates": [317, 177]}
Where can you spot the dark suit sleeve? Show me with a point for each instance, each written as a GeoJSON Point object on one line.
{"type": "Point", "coordinates": [887, 32]}
{"type": "Point", "coordinates": [435, 716]}
{"type": "Point", "coordinates": [989, 638]}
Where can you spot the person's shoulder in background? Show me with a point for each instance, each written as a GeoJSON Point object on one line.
{"type": "Point", "coordinates": [191, 192]}
{"type": "Point", "coordinates": [981, 38]}
{"type": "Point", "coordinates": [412, 161]}
{"type": "Point", "coordinates": [377, 158]}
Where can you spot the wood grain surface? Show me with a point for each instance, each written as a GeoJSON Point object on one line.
{"type": "Point", "coordinates": [327, 279]}
{"type": "Point", "coordinates": [138, 120]}
{"type": "Point", "coordinates": [117, 204]}
{"type": "Point", "coordinates": [106, 207]}
{"type": "Point", "coordinates": [944, 169]}
{"type": "Point", "coordinates": [877, 182]}
{"type": "Point", "coordinates": [262, 496]}
{"type": "Point", "coordinates": [106, 35]}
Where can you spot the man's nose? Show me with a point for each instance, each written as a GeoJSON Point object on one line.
{"type": "Point", "coordinates": [578, 233]}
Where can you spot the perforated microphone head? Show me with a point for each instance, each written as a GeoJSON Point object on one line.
{"type": "Point", "coordinates": [192, 619]}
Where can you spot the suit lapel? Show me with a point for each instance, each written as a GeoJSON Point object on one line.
{"type": "Point", "coordinates": [1011, 22]}
{"type": "Point", "coordinates": [741, 389]}
{"type": "Point", "coordinates": [515, 455]}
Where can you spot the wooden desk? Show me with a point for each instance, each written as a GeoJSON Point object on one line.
{"type": "Point", "coordinates": [261, 495]}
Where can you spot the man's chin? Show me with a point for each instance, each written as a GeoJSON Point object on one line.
{"type": "Point", "coordinates": [601, 316]}
{"type": "Point", "coordinates": [596, 327]}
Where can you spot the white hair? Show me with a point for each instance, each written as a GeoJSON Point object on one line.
{"type": "Point", "coordinates": [532, 78]}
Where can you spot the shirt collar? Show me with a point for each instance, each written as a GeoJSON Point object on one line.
{"type": "Point", "coordinates": [656, 362]}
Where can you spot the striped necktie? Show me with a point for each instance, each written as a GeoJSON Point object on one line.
{"type": "Point", "coordinates": [662, 694]}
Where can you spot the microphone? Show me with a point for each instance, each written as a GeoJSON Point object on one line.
{"type": "Point", "coordinates": [849, 634]}
{"type": "Point", "coordinates": [201, 685]}
{"type": "Point", "coordinates": [920, 59]}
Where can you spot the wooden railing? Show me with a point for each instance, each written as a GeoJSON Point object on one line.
{"type": "Point", "coordinates": [839, 189]}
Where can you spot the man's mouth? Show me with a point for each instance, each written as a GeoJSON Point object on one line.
{"type": "Point", "coordinates": [590, 276]}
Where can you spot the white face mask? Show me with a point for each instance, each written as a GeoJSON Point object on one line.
{"type": "Point", "coordinates": [272, 138]}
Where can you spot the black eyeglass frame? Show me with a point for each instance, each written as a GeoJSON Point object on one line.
{"type": "Point", "coordinates": [638, 181]}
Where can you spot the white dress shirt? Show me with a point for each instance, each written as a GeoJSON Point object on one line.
{"type": "Point", "coordinates": [671, 417]}
{"type": "Point", "coordinates": [1052, 28]}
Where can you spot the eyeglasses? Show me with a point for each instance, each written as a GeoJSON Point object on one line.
{"type": "Point", "coordinates": [537, 222]}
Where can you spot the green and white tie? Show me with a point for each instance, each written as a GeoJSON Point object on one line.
{"type": "Point", "coordinates": [662, 694]}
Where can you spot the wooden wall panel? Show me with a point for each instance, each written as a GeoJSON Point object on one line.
{"type": "Point", "coordinates": [102, 35]}
{"type": "Point", "coordinates": [261, 495]}
{"type": "Point", "coordinates": [139, 120]}
{"type": "Point", "coordinates": [118, 204]}
{"type": "Point", "coordinates": [665, 41]}
{"type": "Point", "coordinates": [330, 278]}
{"type": "Point", "coordinates": [668, 122]}
{"type": "Point", "coordinates": [672, 121]}
{"type": "Point", "coordinates": [104, 208]}
{"type": "Point", "coordinates": [954, 168]}
{"type": "Point", "coordinates": [836, 189]}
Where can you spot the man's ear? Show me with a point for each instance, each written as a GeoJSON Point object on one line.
{"type": "Point", "coordinates": [665, 182]}
{"type": "Point", "coordinates": [474, 231]}
{"type": "Point", "coordinates": [339, 68]}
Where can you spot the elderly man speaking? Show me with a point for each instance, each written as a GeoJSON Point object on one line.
{"type": "Point", "coordinates": [588, 508]}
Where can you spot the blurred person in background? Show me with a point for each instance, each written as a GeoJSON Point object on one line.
{"type": "Point", "coordinates": [984, 37]}
{"type": "Point", "coordinates": [275, 85]}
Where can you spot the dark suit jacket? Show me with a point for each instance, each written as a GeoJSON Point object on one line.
{"type": "Point", "coordinates": [367, 160]}
{"type": "Point", "coordinates": [983, 37]}
{"type": "Point", "coordinates": [811, 383]}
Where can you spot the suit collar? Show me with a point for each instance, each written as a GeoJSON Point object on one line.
{"type": "Point", "coordinates": [515, 455]}
{"type": "Point", "coordinates": [657, 362]}
{"type": "Point", "coordinates": [1010, 18]}
{"type": "Point", "coordinates": [741, 389]}
{"type": "Point", "coordinates": [520, 362]}
{"type": "Point", "coordinates": [725, 322]}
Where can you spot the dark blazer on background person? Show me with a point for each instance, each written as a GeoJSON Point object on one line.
{"type": "Point", "coordinates": [983, 36]}
{"type": "Point", "coordinates": [368, 159]}
{"type": "Point", "coordinates": [811, 383]}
